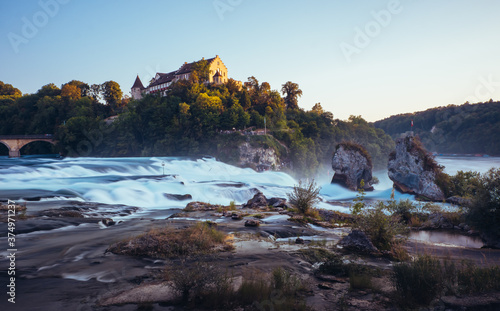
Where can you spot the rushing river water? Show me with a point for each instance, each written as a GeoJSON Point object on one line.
{"type": "Point", "coordinates": [153, 183]}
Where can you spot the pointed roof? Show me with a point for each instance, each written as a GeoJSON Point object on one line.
{"type": "Point", "coordinates": [217, 74]}
{"type": "Point", "coordinates": [138, 83]}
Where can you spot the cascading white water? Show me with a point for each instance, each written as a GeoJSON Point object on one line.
{"type": "Point", "coordinates": [140, 181]}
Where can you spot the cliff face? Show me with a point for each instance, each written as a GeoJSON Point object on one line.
{"type": "Point", "coordinates": [413, 170]}
{"type": "Point", "coordinates": [258, 157]}
{"type": "Point", "coordinates": [351, 165]}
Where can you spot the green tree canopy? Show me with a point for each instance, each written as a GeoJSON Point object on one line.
{"type": "Point", "coordinates": [49, 90]}
{"type": "Point", "coordinates": [112, 93]}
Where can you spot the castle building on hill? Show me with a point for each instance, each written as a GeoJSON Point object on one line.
{"type": "Point", "coordinates": [162, 81]}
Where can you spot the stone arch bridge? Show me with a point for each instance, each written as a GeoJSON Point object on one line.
{"type": "Point", "coordinates": [16, 142]}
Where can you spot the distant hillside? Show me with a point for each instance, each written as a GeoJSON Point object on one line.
{"type": "Point", "coordinates": [468, 128]}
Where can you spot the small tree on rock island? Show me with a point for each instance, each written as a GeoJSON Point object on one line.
{"type": "Point", "coordinates": [304, 196]}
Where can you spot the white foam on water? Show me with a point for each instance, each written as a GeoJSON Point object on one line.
{"type": "Point", "coordinates": [140, 182]}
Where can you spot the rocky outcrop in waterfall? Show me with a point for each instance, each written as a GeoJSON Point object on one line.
{"type": "Point", "coordinates": [258, 157]}
{"type": "Point", "coordinates": [352, 163]}
{"type": "Point", "coordinates": [414, 170]}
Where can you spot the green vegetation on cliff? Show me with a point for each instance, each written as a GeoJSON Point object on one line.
{"type": "Point", "coordinates": [195, 118]}
{"type": "Point", "coordinates": [468, 128]}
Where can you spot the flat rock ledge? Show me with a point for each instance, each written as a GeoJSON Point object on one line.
{"type": "Point", "coordinates": [162, 292]}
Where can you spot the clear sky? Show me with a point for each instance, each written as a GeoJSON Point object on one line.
{"type": "Point", "coordinates": [371, 58]}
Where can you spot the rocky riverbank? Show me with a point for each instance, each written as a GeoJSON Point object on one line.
{"type": "Point", "coordinates": [63, 264]}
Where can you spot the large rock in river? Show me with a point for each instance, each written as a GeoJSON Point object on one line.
{"type": "Point", "coordinates": [414, 170]}
{"type": "Point", "coordinates": [357, 241]}
{"type": "Point", "coordinates": [352, 164]}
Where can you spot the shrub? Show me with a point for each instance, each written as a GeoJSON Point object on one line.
{"type": "Point", "coordinates": [473, 279]}
{"type": "Point", "coordinates": [360, 281]}
{"type": "Point", "coordinates": [334, 266]}
{"type": "Point", "coordinates": [359, 204]}
{"type": "Point", "coordinates": [381, 228]}
{"type": "Point", "coordinates": [419, 282]}
{"type": "Point", "coordinates": [484, 210]}
{"type": "Point", "coordinates": [403, 209]}
{"type": "Point", "coordinates": [279, 291]}
{"type": "Point", "coordinates": [166, 242]}
{"type": "Point", "coordinates": [304, 196]}
{"type": "Point", "coordinates": [465, 184]}
{"type": "Point", "coordinates": [191, 280]}
{"type": "Point", "coordinates": [313, 254]}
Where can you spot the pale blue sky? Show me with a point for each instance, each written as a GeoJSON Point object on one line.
{"type": "Point", "coordinates": [417, 55]}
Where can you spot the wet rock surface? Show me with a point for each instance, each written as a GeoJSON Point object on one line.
{"type": "Point", "coordinates": [259, 201]}
{"type": "Point", "coordinates": [351, 165]}
{"type": "Point", "coordinates": [413, 170]}
{"type": "Point", "coordinates": [71, 262]}
{"type": "Point", "coordinates": [178, 197]}
{"type": "Point", "coordinates": [357, 241]}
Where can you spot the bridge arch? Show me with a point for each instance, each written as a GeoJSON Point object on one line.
{"type": "Point", "coordinates": [38, 147]}
{"type": "Point", "coordinates": [1, 148]}
{"type": "Point", "coordinates": [15, 142]}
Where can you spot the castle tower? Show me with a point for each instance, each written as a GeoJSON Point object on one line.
{"type": "Point", "coordinates": [137, 89]}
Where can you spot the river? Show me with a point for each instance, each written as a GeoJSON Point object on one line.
{"type": "Point", "coordinates": [152, 184]}
{"type": "Point", "coordinates": [61, 262]}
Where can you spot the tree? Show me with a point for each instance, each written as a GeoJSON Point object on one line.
{"type": "Point", "coordinates": [70, 92]}
{"type": "Point", "coordinates": [318, 109]}
{"type": "Point", "coordinates": [112, 93]}
{"type": "Point", "coordinates": [8, 89]}
{"type": "Point", "coordinates": [200, 71]}
{"type": "Point", "coordinates": [49, 90]}
{"type": "Point", "coordinates": [484, 210]}
{"type": "Point", "coordinates": [95, 91]}
{"type": "Point", "coordinates": [304, 196]}
{"type": "Point", "coordinates": [292, 93]}
{"type": "Point", "coordinates": [84, 87]}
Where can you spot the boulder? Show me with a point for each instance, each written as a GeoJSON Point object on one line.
{"type": "Point", "coordinates": [490, 240]}
{"type": "Point", "coordinates": [351, 164]}
{"type": "Point", "coordinates": [252, 223]}
{"type": "Point", "coordinates": [108, 222]}
{"type": "Point", "coordinates": [481, 301]}
{"type": "Point", "coordinates": [257, 202]}
{"type": "Point", "coordinates": [414, 170]}
{"type": "Point", "coordinates": [299, 241]}
{"type": "Point", "coordinates": [277, 202]}
{"type": "Point", "coordinates": [236, 216]}
{"type": "Point", "coordinates": [437, 221]}
{"type": "Point", "coordinates": [178, 197]}
{"type": "Point", "coordinates": [357, 241]}
{"type": "Point", "coordinates": [325, 285]}
{"type": "Point", "coordinates": [460, 201]}
{"type": "Point", "coordinates": [200, 206]}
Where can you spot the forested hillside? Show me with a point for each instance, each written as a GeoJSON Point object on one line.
{"type": "Point", "coordinates": [196, 118]}
{"type": "Point", "coordinates": [468, 128]}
